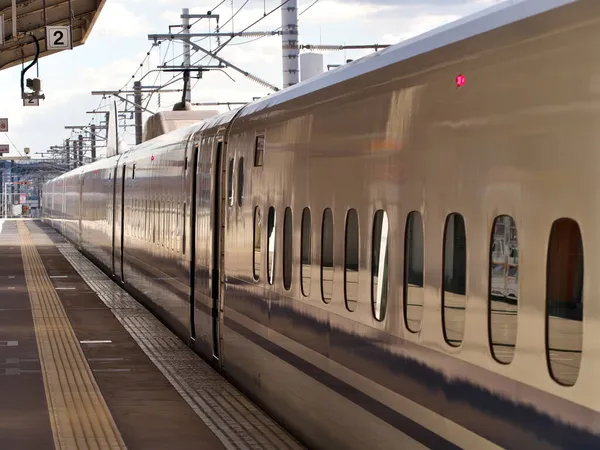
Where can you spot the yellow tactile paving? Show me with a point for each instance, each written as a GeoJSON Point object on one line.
{"type": "Point", "coordinates": [79, 415]}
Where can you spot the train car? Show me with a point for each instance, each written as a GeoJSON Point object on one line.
{"type": "Point", "coordinates": [389, 255]}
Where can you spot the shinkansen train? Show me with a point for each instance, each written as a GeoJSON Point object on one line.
{"type": "Point", "coordinates": [395, 254]}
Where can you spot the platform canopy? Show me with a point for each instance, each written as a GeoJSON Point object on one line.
{"type": "Point", "coordinates": [33, 15]}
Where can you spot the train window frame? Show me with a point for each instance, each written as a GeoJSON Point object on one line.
{"type": "Point", "coordinates": [271, 244]}
{"type": "Point", "coordinates": [378, 299]}
{"type": "Point", "coordinates": [240, 182]}
{"type": "Point", "coordinates": [231, 182]}
{"type": "Point", "coordinates": [410, 238]}
{"type": "Point", "coordinates": [462, 285]}
{"type": "Point", "coordinates": [288, 237]}
{"type": "Point", "coordinates": [328, 221]}
{"type": "Point", "coordinates": [306, 250]}
{"type": "Point", "coordinates": [351, 298]}
{"type": "Point", "coordinates": [553, 281]}
{"type": "Point", "coordinates": [257, 238]}
{"type": "Point", "coordinates": [259, 150]}
{"type": "Point", "coordinates": [502, 257]}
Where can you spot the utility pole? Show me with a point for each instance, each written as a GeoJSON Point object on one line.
{"type": "Point", "coordinates": [137, 99]}
{"type": "Point", "coordinates": [289, 42]}
{"type": "Point", "coordinates": [185, 14]}
{"type": "Point", "coordinates": [68, 153]}
{"type": "Point", "coordinates": [80, 137]}
{"type": "Point", "coordinates": [93, 143]}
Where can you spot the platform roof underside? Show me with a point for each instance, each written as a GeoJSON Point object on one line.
{"type": "Point", "coordinates": [33, 15]}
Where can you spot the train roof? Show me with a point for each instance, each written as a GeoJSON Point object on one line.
{"type": "Point", "coordinates": [510, 11]}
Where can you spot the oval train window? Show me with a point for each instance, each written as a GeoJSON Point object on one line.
{"type": "Point", "coordinates": [454, 285]}
{"type": "Point", "coordinates": [287, 248]}
{"type": "Point", "coordinates": [256, 253]}
{"type": "Point", "coordinates": [351, 261]}
{"type": "Point", "coordinates": [306, 254]}
{"type": "Point", "coordinates": [504, 289]}
{"type": "Point", "coordinates": [414, 254]}
{"type": "Point", "coordinates": [564, 301]}
{"type": "Point", "coordinates": [230, 182]}
{"type": "Point", "coordinates": [327, 256]}
{"type": "Point", "coordinates": [240, 182]}
{"type": "Point", "coordinates": [271, 228]}
{"type": "Point", "coordinates": [379, 265]}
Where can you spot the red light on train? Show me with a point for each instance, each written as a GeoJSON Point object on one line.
{"type": "Point", "coordinates": [152, 158]}
{"type": "Point", "coordinates": [461, 80]}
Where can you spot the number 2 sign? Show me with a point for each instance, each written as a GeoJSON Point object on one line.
{"type": "Point", "coordinates": [58, 37]}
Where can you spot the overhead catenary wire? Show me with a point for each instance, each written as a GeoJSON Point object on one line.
{"type": "Point", "coordinates": [13, 144]}
{"type": "Point", "coordinates": [278, 28]}
{"type": "Point", "coordinates": [178, 56]}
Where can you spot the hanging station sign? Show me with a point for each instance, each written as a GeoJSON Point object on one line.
{"type": "Point", "coordinates": [58, 37]}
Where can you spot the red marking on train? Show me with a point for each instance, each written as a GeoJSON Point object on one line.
{"type": "Point", "coordinates": [461, 80]}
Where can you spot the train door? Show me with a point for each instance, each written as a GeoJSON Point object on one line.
{"type": "Point", "coordinates": [80, 215]}
{"type": "Point", "coordinates": [217, 247]}
{"type": "Point", "coordinates": [114, 217]}
{"type": "Point", "coordinates": [122, 223]}
{"type": "Point", "coordinates": [193, 171]}
{"type": "Point", "coordinates": [119, 221]}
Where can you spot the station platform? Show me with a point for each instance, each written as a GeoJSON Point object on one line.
{"type": "Point", "coordinates": [84, 366]}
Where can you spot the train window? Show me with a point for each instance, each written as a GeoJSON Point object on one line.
{"type": "Point", "coordinates": [230, 182]}
{"type": "Point", "coordinates": [271, 228]}
{"type": "Point", "coordinates": [240, 182]}
{"type": "Point", "coordinates": [351, 256]}
{"type": "Point", "coordinates": [185, 164]}
{"type": "Point", "coordinates": [327, 256]}
{"type": "Point", "coordinates": [306, 254]}
{"type": "Point", "coordinates": [414, 254]}
{"type": "Point", "coordinates": [171, 234]}
{"type": "Point", "coordinates": [379, 265]}
{"type": "Point", "coordinates": [287, 248]}
{"type": "Point", "coordinates": [564, 301]}
{"type": "Point", "coordinates": [177, 227]}
{"type": "Point", "coordinates": [504, 289]}
{"type": "Point", "coordinates": [454, 282]}
{"type": "Point", "coordinates": [183, 223]}
{"type": "Point", "coordinates": [257, 242]}
{"type": "Point", "coordinates": [133, 172]}
{"type": "Point", "coordinates": [259, 150]}
{"type": "Point", "coordinates": [162, 216]}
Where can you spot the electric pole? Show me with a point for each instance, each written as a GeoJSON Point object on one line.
{"type": "Point", "coordinates": [185, 14]}
{"type": "Point", "coordinates": [137, 99]}
{"type": "Point", "coordinates": [93, 143]}
{"type": "Point", "coordinates": [80, 137]}
{"type": "Point", "coordinates": [68, 153]}
{"type": "Point", "coordinates": [289, 41]}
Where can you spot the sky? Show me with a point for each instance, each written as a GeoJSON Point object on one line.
{"type": "Point", "coordinates": [118, 45]}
